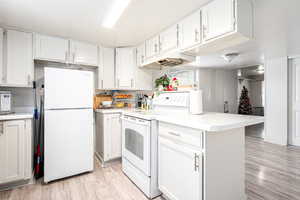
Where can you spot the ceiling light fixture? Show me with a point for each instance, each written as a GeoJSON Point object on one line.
{"type": "Point", "coordinates": [115, 13]}
{"type": "Point", "coordinates": [230, 56]}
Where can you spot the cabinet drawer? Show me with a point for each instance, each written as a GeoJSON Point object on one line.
{"type": "Point", "coordinates": [181, 134]}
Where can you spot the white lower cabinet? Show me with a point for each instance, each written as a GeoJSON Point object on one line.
{"type": "Point", "coordinates": [180, 171]}
{"type": "Point", "coordinates": [15, 150]}
{"type": "Point", "coordinates": [108, 136]}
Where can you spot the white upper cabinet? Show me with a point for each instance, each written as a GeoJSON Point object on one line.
{"type": "Point", "coordinates": [83, 53]}
{"type": "Point", "coordinates": [141, 54]}
{"type": "Point", "coordinates": [125, 68]}
{"type": "Point", "coordinates": [152, 47]}
{"type": "Point", "coordinates": [191, 30]}
{"type": "Point", "coordinates": [51, 48]}
{"type": "Point", "coordinates": [106, 69]}
{"type": "Point", "coordinates": [18, 67]}
{"type": "Point", "coordinates": [169, 39]}
{"type": "Point", "coordinates": [218, 18]}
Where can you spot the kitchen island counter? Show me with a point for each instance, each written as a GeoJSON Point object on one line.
{"type": "Point", "coordinates": [211, 121]}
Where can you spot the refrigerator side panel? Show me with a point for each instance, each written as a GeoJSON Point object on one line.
{"type": "Point", "coordinates": [66, 88]}
{"type": "Point", "coordinates": [68, 143]}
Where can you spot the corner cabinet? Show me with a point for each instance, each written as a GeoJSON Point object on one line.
{"type": "Point", "coordinates": [169, 39]}
{"type": "Point", "coordinates": [18, 67]}
{"type": "Point", "coordinates": [125, 68]}
{"type": "Point", "coordinates": [108, 136]}
{"type": "Point", "coordinates": [83, 53]}
{"type": "Point", "coordinates": [152, 47]}
{"type": "Point", "coordinates": [51, 48]}
{"type": "Point", "coordinates": [15, 150]}
{"type": "Point", "coordinates": [106, 68]}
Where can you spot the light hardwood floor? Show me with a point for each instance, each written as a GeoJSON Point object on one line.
{"type": "Point", "coordinates": [272, 173]}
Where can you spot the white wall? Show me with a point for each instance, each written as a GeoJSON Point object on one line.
{"type": "Point", "coordinates": [218, 86]}
{"type": "Point", "coordinates": [276, 112]}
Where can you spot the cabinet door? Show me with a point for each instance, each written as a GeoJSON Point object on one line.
{"type": "Point", "coordinates": [169, 39]}
{"type": "Point", "coordinates": [12, 151]}
{"type": "Point", "coordinates": [106, 69]}
{"type": "Point", "coordinates": [19, 62]}
{"type": "Point", "coordinates": [152, 47]}
{"type": "Point", "coordinates": [1, 55]}
{"type": "Point", "coordinates": [51, 48]}
{"type": "Point", "coordinates": [125, 67]}
{"type": "Point", "coordinates": [115, 136]}
{"type": "Point", "coordinates": [140, 54]}
{"type": "Point", "coordinates": [84, 53]}
{"type": "Point", "coordinates": [191, 30]}
{"type": "Point", "coordinates": [218, 18]}
{"type": "Point", "coordinates": [179, 164]}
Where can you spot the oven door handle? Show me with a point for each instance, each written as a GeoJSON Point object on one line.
{"type": "Point", "coordinates": [136, 120]}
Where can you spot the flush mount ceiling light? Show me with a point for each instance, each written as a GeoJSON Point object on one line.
{"type": "Point", "coordinates": [260, 69]}
{"type": "Point", "coordinates": [115, 13]}
{"type": "Point", "coordinates": [230, 56]}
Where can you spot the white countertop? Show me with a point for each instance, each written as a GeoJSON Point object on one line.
{"type": "Point", "coordinates": [14, 116]}
{"type": "Point", "coordinates": [211, 121]}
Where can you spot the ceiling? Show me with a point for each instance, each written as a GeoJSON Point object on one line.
{"type": "Point", "coordinates": [276, 24]}
{"type": "Point", "coordinates": [81, 19]}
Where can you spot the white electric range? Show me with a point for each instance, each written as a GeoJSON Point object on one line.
{"type": "Point", "coordinates": [140, 139]}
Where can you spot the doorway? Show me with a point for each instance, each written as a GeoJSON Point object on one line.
{"type": "Point", "coordinates": [294, 102]}
{"type": "Point", "coordinates": [251, 97]}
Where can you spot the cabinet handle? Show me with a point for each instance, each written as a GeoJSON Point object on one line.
{"type": "Point", "coordinates": [174, 134]}
{"type": "Point", "coordinates": [155, 48]}
{"type": "Point", "coordinates": [160, 46]}
{"type": "Point", "coordinates": [29, 79]}
{"type": "Point", "coordinates": [204, 31]}
{"type": "Point", "coordinates": [142, 59]}
{"type": "Point", "coordinates": [102, 83]}
{"type": "Point", "coordinates": [196, 35]}
{"type": "Point", "coordinates": [66, 56]}
{"type": "Point", "coordinates": [1, 129]}
{"type": "Point", "coordinates": [73, 57]}
{"type": "Point", "coordinates": [131, 83]}
{"type": "Point", "coordinates": [196, 162]}
{"type": "Point", "coordinates": [234, 17]}
{"type": "Point", "coordinates": [118, 83]}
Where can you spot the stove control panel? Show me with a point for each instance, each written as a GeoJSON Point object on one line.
{"type": "Point", "coordinates": [178, 99]}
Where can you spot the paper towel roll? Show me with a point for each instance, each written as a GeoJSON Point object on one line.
{"type": "Point", "coordinates": [196, 106]}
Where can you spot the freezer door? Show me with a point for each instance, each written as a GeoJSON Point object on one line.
{"type": "Point", "coordinates": [68, 143]}
{"type": "Point", "coordinates": [67, 88]}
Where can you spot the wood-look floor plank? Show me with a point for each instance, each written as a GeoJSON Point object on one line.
{"type": "Point", "coordinates": [272, 173]}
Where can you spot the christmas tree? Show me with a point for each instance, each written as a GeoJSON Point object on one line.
{"type": "Point", "coordinates": [245, 107]}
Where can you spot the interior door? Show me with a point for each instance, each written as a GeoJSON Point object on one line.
{"type": "Point", "coordinates": [295, 139]}
{"type": "Point", "coordinates": [136, 143]}
{"type": "Point", "coordinates": [68, 139]}
{"type": "Point", "coordinates": [177, 166]}
{"type": "Point", "coordinates": [218, 18]}
{"type": "Point", "coordinates": [66, 88]}
{"type": "Point", "coordinates": [12, 151]}
{"type": "Point", "coordinates": [19, 62]}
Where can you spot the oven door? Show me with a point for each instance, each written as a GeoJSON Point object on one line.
{"type": "Point", "coordinates": [136, 142]}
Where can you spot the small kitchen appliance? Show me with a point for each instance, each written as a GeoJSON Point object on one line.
{"type": "Point", "coordinates": [5, 102]}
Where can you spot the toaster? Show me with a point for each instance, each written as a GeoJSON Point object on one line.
{"type": "Point", "coordinates": [5, 102]}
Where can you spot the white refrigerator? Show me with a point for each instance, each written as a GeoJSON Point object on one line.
{"type": "Point", "coordinates": [68, 121]}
